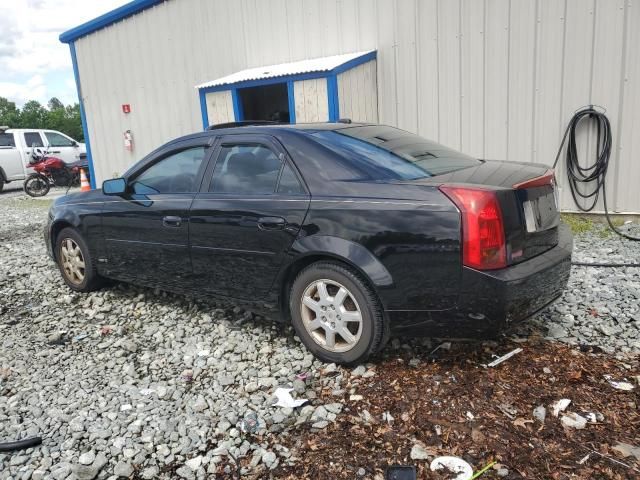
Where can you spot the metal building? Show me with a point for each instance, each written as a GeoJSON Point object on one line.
{"type": "Point", "coordinates": [498, 79]}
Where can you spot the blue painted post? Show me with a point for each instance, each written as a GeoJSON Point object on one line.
{"type": "Point", "coordinates": [83, 117]}
{"type": "Point", "coordinates": [203, 108]}
{"type": "Point", "coordinates": [332, 94]}
{"type": "Point", "coordinates": [292, 102]}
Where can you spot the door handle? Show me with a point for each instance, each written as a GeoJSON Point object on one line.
{"type": "Point", "coordinates": [171, 221]}
{"type": "Point", "coordinates": [271, 223]}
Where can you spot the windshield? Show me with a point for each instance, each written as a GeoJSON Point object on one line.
{"type": "Point", "coordinates": [381, 152]}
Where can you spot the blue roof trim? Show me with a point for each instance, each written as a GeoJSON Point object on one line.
{"type": "Point", "coordinates": [107, 19]}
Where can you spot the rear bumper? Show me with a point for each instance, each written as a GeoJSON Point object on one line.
{"type": "Point", "coordinates": [493, 300]}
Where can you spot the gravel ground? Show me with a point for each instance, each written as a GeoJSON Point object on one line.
{"type": "Point", "coordinates": [133, 382]}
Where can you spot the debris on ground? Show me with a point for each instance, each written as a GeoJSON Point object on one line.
{"type": "Point", "coordinates": [286, 400]}
{"type": "Point", "coordinates": [503, 358]}
{"type": "Point", "coordinates": [626, 386]}
{"type": "Point", "coordinates": [430, 417]}
{"type": "Point", "coordinates": [455, 467]}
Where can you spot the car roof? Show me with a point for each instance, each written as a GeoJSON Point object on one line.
{"type": "Point", "coordinates": [273, 129]}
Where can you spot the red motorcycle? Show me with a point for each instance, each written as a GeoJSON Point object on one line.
{"type": "Point", "coordinates": [51, 171]}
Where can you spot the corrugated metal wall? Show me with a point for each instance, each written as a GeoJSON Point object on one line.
{"type": "Point", "coordinates": [358, 93]}
{"type": "Point", "coordinates": [497, 79]}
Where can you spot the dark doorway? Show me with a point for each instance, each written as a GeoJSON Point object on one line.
{"type": "Point", "coordinates": [268, 102]}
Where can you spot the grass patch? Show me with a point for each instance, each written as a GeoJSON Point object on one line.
{"type": "Point", "coordinates": [577, 223]}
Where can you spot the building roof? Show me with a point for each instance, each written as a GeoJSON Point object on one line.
{"type": "Point", "coordinates": [107, 19]}
{"type": "Point", "coordinates": [332, 64]}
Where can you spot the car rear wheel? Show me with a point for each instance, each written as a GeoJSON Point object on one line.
{"type": "Point", "coordinates": [336, 314]}
{"type": "Point", "coordinates": [74, 262]}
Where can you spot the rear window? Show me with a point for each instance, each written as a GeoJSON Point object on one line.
{"type": "Point", "coordinates": [381, 152]}
{"type": "Point", "coordinates": [6, 140]}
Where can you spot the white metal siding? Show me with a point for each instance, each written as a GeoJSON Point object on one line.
{"type": "Point", "coordinates": [358, 93]}
{"type": "Point", "coordinates": [219, 107]}
{"type": "Point", "coordinates": [494, 78]}
{"type": "Point", "coordinates": [312, 104]}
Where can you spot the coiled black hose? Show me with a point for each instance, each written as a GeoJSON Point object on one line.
{"type": "Point", "coordinates": [581, 179]}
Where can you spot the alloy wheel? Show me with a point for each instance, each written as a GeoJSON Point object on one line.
{"type": "Point", "coordinates": [72, 261]}
{"type": "Point", "coordinates": [331, 315]}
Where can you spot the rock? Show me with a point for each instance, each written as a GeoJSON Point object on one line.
{"type": "Point", "coordinates": [269, 459]}
{"type": "Point", "coordinates": [502, 472]}
{"type": "Point", "coordinates": [320, 424]}
{"type": "Point", "coordinates": [89, 472]}
{"type": "Point", "coordinates": [299, 386]}
{"type": "Point", "coordinates": [573, 420]}
{"type": "Point", "coordinates": [200, 405]}
{"type": "Point", "coordinates": [123, 469]}
{"type": "Point", "coordinates": [150, 473]}
{"type": "Point", "coordinates": [358, 371]}
{"type": "Point", "coordinates": [87, 458]}
{"type": "Point", "coordinates": [557, 331]}
{"type": "Point", "coordinates": [419, 452]}
{"type": "Point", "coordinates": [185, 472]}
{"type": "Point", "coordinates": [540, 413]}
{"type": "Point", "coordinates": [194, 463]}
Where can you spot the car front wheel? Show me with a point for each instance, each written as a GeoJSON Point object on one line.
{"type": "Point", "coordinates": [74, 262]}
{"type": "Point", "coordinates": [336, 314]}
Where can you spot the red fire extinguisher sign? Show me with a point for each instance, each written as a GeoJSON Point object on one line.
{"type": "Point", "coordinates": [126, 108]}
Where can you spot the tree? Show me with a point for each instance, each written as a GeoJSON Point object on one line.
{"type": "Point", "coordinates": [33, 115]}
{"type": "Point", "coordinates": [55, 104]}
{"type": "Point", "coordinates": [9, 114]}
{"type": "Point", "coordinates": [56, 116]}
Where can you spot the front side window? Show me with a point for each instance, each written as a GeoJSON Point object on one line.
{"type": "Point", "coordinates": [176, 173]}
{"type": "Point", "coordinates": [246, 169]}
{"type": "Point", "coordinates": [6, 140]}
{"type": "Point", "coordinates": [57, 140]}
{"type": "Point", "coordinates": [33, 139]}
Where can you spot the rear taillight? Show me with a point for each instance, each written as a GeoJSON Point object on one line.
{"type": "Point", "coordinates": [483, 243]}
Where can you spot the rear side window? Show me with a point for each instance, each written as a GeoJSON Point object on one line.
{"type": "Point", "coordinates": [33, 139]}
{"type": "Point", "coordinates": [250, 169]}
{"type": "Point", "coordinates": [6, 140]}
{"type": "Point", "coordinates": [289, 183]}
{"type": "Point", "coordinates": [176, 173]}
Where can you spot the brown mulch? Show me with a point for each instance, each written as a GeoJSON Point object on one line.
{"type": "Point", "coordinates": [429, 404]}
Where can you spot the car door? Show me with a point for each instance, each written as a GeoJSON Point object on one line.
{"type": "Point", "coordinates": [245, 218]}
{"type": "Point", "coordinates": [62, 147]}
{"type": "Point", "coordinates": [146, 230]}
{"type": "Point", "coordinates": [11, 165]}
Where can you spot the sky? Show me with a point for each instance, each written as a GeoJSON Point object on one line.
{"type": "Point", "coordinates": [34, 65]}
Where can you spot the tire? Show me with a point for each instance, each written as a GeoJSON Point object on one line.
{"type": "Point", "coordinates": [36, 185]}
{"type": "Point", "coordinates": [322, 314]}
{"type": "Point", "coordinates": [78, 271]}
{"type": "Point", "coordinates": [1, 184]}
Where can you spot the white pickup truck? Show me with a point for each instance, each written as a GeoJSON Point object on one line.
{"type": "Point", "coordinates": [16, 145]}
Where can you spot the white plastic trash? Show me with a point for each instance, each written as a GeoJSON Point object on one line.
{"type": "Point", "coordinates": [454, 465]}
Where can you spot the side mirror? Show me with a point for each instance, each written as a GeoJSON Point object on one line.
{"type": "Point", "coordinates": [75, 144]}
{"type": "Point", "coordinates": [116, 186]}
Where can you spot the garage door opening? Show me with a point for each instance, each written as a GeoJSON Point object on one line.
{"type": "Point", "coordinates": [266, 102]}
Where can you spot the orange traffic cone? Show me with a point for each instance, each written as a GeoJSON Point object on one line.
{"type": "Point", "coordinates": [84, 183]}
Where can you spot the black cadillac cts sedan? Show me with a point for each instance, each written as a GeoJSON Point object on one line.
{"type": "Point", "coordinates": [351, 232]}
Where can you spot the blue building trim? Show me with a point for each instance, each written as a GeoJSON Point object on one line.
{"type": "Point", "coordinates": [203, 109]}
{"type": "Point", "coordinates": [367, 57]}
{"type": "Point", "coordinates": [237, 105]}
{"type": "Point", "coordinates": [332, 98]}
{"type": "Point", "coordinates": [292, 102]}
{"type": "Point", "coordinates": [107, 19]}
{"type": "Point", "coordinates": [83, 117]}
